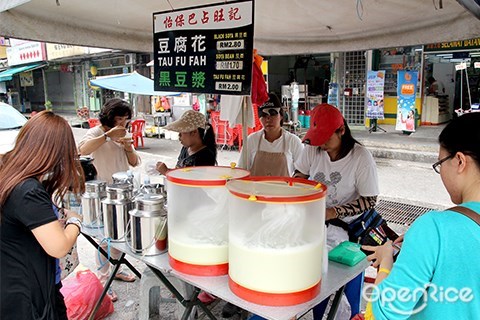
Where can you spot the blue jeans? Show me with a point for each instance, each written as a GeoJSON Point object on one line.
{"type": "Point", "coordinates": [353, 292]}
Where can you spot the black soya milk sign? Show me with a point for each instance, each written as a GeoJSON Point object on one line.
{"type": "Point", "coordinates": [204, 49]}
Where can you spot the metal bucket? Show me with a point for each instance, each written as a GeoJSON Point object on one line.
{"type": "Point", "coordinates": [115, 208]}
{"type": "Point", "coordinates": [148, 226]}
{"type": "Point", "coordinates": [95, 191]}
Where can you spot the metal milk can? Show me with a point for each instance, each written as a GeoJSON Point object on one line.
{"type": "Point", "coordinates": [115, 209]}
{"type": "Point", "coordinates": [148, 225]}
{"type": "Point", "coordinates": [95, 192]}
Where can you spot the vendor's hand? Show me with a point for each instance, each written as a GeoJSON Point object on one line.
{"type": "Point", "coordinates": [381, 254]}
{"type": "Point", "coordinates": [116, 133]}
{"type": "Point", "coordinates": [161, 167]}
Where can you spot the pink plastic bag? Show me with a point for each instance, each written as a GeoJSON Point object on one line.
{"type": "Point", "coordinates": [81, 293]}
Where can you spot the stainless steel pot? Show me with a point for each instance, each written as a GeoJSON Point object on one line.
{"type": "Point", "coordinates": [148, 226]}
{"type": "Point", "coordinates": [115, 209]}
{"type": "Point", "coordinates": [95, 192]}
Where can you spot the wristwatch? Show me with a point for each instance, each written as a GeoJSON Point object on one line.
{"type": "Point", "coordinates": [107, 138]}
{"type": "Point", "coordinates": [75, 221]}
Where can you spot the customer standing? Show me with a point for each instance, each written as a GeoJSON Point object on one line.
{"type": "Point", "coordinates": [271, 151]}
{"type": "Point", "coordinates": [43, 165]}
{"type": "Point", "coordinates": [334, 158]}
{"type": "Point", "coordinates": [112, 152]}
{"type": "Point", "coordinates": [437, 273]}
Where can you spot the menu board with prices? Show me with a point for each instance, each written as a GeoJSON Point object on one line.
{"type": "Point", "coordinates": [206, 49]}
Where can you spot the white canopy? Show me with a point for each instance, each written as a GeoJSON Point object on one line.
{"type": "Point", "coordinates": [281, 26]}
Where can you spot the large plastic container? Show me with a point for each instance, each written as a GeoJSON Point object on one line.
{"type": "Point", "coordinates": [198, 219]}
{"type": "Point", "coordinates": [276, 239]}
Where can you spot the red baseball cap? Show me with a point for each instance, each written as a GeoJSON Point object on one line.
{"type": "Point", "coordinates": [325, 119]}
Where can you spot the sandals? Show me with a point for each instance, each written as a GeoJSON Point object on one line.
{"type": "Point", "coordinates": [112, 295]}
{"type": "Point", "coordinates": [206, 298]}
{"type": "Point", "coordinates": [125, 276]}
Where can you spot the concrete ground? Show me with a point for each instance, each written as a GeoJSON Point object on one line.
{"type": "Point", "coordinates": [417, 151]}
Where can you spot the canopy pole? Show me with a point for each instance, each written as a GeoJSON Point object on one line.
{"type": "Point", "coordinates": [244, 132]}
{"type": "Point", "coordinates": [45, 86]}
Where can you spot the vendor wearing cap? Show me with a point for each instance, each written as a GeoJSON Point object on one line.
{"type": "Point", "coordinates": [198, 140]}
{"type": "Point", "coordinates": [272, 151]}
{"type": "Point", "coordinates": [333, 157]}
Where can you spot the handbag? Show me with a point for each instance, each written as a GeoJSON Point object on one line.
{"type": "Point", "coordinates": [368, 229]}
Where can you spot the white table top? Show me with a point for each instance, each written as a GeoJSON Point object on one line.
{"type": "Point", "coordinates": [336, 277]}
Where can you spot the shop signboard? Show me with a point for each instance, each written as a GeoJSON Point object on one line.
{"type": "Point", "coordinates": [26, 79]}
{"type": "Point", "coordinates": [375, 94]}
{"type": "Point", "coordinates": [204, 49]}
{"type": "Point", "coordinates": [57, 51]}
{"type": "Point", "coordinates": [333, 94]}
{"type": "Point", "coordinates": [453, 45]}
{"type": "Point", "coordinates": [23, 52]}
{"type": "Point", "coordinates": [461, 66]}
{"type": "Point", "coordinates": [406, 94]}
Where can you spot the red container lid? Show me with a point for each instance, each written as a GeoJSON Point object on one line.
{"type": "Point", "coordinates": [277, 189]}
{"type": "Point", "coordinates": [205, 176]}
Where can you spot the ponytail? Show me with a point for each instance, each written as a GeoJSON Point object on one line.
{"type": "Point", "coordinates": [208, 139]}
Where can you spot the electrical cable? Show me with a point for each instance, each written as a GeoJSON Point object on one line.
{"type": "Point", "coordinates": [360, 11]}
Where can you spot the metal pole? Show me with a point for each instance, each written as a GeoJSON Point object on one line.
{"type": "Point", "coordinates": [461, 89]}
{"type": "Point", "coordinates": [45, 86]}
{"type": "Point", "coordinates": [245, 131]}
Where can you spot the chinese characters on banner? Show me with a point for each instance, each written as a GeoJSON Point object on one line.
{"type": "Point", "coordinates": [375, 93]}
{"type": "Point", "coordinates": [204, 49]}
{"type": "Point", "coordinates": [406, 93]}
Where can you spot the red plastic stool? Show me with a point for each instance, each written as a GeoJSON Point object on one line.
{"type": "Point", "coordinates": [138, 126]}
{"type": "Point", "coordinates": [93, 122]}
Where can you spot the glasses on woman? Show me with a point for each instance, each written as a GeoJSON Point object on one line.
{"type": "Point", "coordinates": [436, 166]}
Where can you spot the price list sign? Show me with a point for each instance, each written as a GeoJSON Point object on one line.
{"type": "Point", "coordinates": [204, 49]}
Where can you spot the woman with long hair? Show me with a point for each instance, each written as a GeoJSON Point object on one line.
{"type": "Point", "coordinates": [40, 169]}
{"type": "Point", "coordinates": [198, 141]}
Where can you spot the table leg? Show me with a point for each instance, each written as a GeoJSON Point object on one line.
{"type": "Point", "coordinates": [105, 288]}
{"type": "Point", "coordinates": [187, 303]}
{"type": "Point", "coordinates": [117, 264]}
{"type": "Point", "coordinates": [336, 302]}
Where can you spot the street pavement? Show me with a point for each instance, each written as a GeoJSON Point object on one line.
{"type": "Point", "coordinates": [404, 169]}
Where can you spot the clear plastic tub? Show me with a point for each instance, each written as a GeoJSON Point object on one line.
{"type": "Point", "coordinates": [198, 219]}
{"type": "Point", "coordinates": [276, 239]}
